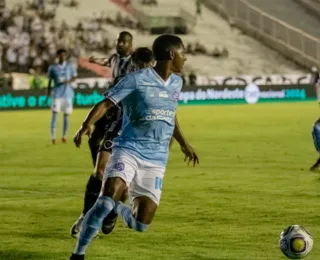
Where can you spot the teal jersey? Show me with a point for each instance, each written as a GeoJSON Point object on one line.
{"type": "Point", "coordinates": [149, 105]}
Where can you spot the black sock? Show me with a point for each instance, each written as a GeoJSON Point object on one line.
{"type": "Point", "coordinates": [92, 193]}
{"type": "Point", "coordinates": [94, 147]}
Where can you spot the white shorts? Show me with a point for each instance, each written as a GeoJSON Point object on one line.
{"type": "Point", "coordinates": [142, 178]}
{"type": "Point", "coordinates": [62, 104]}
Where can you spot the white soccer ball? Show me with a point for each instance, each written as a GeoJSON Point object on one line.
{"type": "Point", "coordinates": [295, 242]}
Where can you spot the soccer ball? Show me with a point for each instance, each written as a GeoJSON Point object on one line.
{"type": "Point", "coordinates": [295, 242]}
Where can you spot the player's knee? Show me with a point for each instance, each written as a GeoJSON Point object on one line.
{"type": "Point", "coordinates": [140, 227]}
{"type": "Point", "coordinates": [98, 174]}
{"type": "Point", "coordinates": [124, 195]}
{"type": "Point", "coordinates": [100, 168]}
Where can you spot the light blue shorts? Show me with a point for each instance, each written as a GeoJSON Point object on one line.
{"type": "Point", "coordinates": [142, 178]}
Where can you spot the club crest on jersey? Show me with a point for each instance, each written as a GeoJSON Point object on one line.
{"type": "Point", "coordinates": [175, 96]}
{"type": "Point", "coordinates": [119, 166]}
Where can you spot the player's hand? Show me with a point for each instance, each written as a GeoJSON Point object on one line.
{"type": "Point", "coordinates": [84, 130]}
{"type": "Point", "coordinates": [67, 82]}
{"type": "Point", "coordinates": [190, 154]}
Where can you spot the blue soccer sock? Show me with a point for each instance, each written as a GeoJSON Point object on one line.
{"type": "Point", "coordinates": [53, 125]}
{"type": "Point", "coordinates": [92, 222]}
{"type": "Point", "coordinates": [65, 125]}
{"type": "Point", "coordinates": [125, 213]}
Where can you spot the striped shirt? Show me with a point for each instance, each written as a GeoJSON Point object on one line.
{"type": "Point", "coordinates": [315, 80]}
{"type": "Point", "coordinates": [120, 66]}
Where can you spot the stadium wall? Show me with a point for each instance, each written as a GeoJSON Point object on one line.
{"type": "Point", "coordinates": [293, 43]}
{"type": "Point", "coordinates": [310, 5]}
{"type": "Point", "coordinates": [87, 96]}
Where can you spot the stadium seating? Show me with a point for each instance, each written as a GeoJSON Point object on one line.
{"type": "Point", "coordinates": [292, 13]}
{"type": "Point", "coordinates": [246, 55]}
{"type": "Point", "coordinates": [313, 6]}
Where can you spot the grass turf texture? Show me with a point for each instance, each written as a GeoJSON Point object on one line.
{"type": "Point", "coordinates": [252, 182]}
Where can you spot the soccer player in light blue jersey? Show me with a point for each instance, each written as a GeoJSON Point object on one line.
{"type": "Point", "coordinates": [149, 98]}
{"type": "Point", "coordinates": [61, 75]}
{"type": "Point", "coordinates": [141, 58]}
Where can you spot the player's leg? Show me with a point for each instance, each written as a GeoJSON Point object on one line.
{"type": "Point", "coordinates": [96, 138]}
{"type": "Point", "coordinates": [65, 127]}
{"type": "Point", "coordinates": [171, 142]}
{"type": "Point", "coordinates": [53, 126]}
{"type": "Point", "coordinates": [140, 215]}
{"type": "Point", "coordinates": [55, 108]}
{"type": "Point", "coordinates": [93, 187]}
{"type": "Point", "coordinates": [91, 195]}
{"type": "Point", "coordinates": [67, 109]}
{"type": "Point", "coordinates": [145, 191]}
{"type": "Point", "coordinates": [122, 170]}
{"type": "Point", "coordinates": [93, 219]}
{"type": "Point", "coordinates": [104, 156]}
{"type": "Point", "coordinates": [316, 141]}
{"type": "Point", "coordinates": [110, 221]}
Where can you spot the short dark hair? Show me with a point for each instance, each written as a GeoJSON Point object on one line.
{"type": "Point", "coordinates": [143, 54]}
{"type": "Point", "coordinates": [61, 50]}
{"type": "Point", "coordinates": [164, 44]}
{"type": "Point", "coordinates": [126, 33]}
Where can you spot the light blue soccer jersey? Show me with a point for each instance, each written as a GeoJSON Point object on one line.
{"type": "Point", "coordinates": [149, 106]}
{"type": "Point", "coordinates": [58, 73]}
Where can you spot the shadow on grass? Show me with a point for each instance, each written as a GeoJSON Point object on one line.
{"type": "Point", "coordinates": [19, 254]}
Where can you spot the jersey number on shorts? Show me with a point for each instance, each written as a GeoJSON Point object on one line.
{"type": "Point", "coordinates": [158, 183]}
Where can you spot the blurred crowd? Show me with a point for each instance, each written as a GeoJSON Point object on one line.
{"type": "Point", "coordinates": [199, 49]}
{"type": "Point", "coordinates": [30, 35]}
{"type": "Point", "coordinates": [149, 2]}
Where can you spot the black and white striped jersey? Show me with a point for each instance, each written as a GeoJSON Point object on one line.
{"type": "Point", "coordinates": [315, 80]}
{"type": "Point", "coordinates": [120, 65]}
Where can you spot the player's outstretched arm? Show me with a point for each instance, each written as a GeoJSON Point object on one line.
{"type": "Point", "coordinates": [113, 96]}
{"type": "Point", "coordinates": [94, 115]}
{"type": "Point", "coordinates": [100, 61]}
{"type": "Point", "coordinates": [73, 79]}
{"type": "Point", "coordinates": [187, 149]}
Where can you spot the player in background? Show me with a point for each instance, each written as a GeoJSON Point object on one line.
{"type": "Point", "coordinates": [120, 65]}
{"type": "Point", "coordinates": [139, 157]}
{"type": "Point", "coordinates": [141, 58]}
{"type": "Point", "coordinates": [61, 75]}
{"type": "Point", "coordinates": [316, 127]}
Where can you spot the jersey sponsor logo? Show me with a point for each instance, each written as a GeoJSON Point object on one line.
{"type": "Point", "coordinates": [160, 114]}
{"type": "Point", "coordinates": [119, 166]}
{"type": "Point", "coordinates": [163, 94]}
{"type": "Point", "coordinates": [146, 83]}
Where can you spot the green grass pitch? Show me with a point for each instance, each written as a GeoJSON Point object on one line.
{"type": "Point", "coordinates": [252, 182]}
